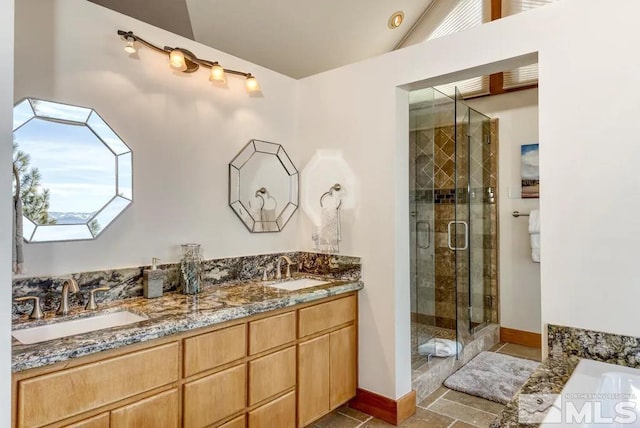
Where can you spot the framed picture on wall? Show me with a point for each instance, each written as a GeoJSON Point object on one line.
{"type": "Point", "coordinates": [530, 171]}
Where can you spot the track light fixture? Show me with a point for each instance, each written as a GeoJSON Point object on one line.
{"type": "Point", "coordinates": [185, 61]}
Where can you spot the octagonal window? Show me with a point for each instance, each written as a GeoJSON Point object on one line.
{"type": "Point", "coordinates": [75, 173]}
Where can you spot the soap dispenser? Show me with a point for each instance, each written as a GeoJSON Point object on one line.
{"type": "Point", "coordinates": [153, 280]}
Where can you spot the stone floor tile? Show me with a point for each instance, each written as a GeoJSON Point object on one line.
{"type": "Point", "coordinates": [335, 420]}
{"type": "Point", "coordinates": [433, 396]}
{"type": "Point", "coordinates": [497, 346]}
{"type": "Point", "coordinates": [375, 422]}
{"type": "Point", "coordinates": [460, 424]}
{"type": "Point", "coordinates": [461, 412]}
{"type": "Point", "coordinates": [353, 413]}
{"type": "Point", "coordinates": [475, 402]}
{"type": "Point", "coordinates": [522, 351]}
{"type": "Point", "coordinates": [422, 419]}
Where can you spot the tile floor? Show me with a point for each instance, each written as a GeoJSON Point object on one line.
{"type": "Point", "coordinates": [444, 408]}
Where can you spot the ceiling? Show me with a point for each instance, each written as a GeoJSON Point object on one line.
{"type": "Point", "coordinates": [294, 37]}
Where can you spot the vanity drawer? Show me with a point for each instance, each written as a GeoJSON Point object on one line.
{"type": "Point", "coordinates": [100, 421]}
{"type": "Point", "coordinates": [271, 332]}
{"type": "Point", "coordinates": [238, 422]}
{"type": "Point", "coordinates": [55, 396]}
{"type": "Point", "coordinates": [324, 316]}
{"type": "Point", "coordinates": [215, 397]}
{"type": "Point", "coordinates": [158, 411]}
{"type": "Point", "coordinates": [272, 374]}
{"type": "Point", "coordinates": [214, 349]}
{"type": "Point", "coordinates": [279, 413]}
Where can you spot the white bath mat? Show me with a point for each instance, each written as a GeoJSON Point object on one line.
{"type": "Point", "coordinates": [496, 377]}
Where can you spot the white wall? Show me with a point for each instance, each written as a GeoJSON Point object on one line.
{"type": "Point", "coordinates": [519, 276]}
{"type": "Point", "coordinates": [6, 105]}
{"type": "Point", "coordinates": [587, 165]}
{"type": "Point", "coordinates": [182, 130]}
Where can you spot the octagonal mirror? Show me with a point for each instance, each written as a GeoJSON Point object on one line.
{"type": "Point", "coordinates": [74, 173]}
{"type": "Point", "coordinates": [263, 186]}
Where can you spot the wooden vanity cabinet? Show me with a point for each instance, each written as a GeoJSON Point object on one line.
{"type": "Point", "coordinates": [281, 369]}
{"type": "Point", "coordinates": [327, 362]}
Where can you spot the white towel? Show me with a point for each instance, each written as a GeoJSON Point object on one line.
{"type": "Point", "coordinates": [534, 221]}
{"type": "Point", "coordinates": [534, 233]}
{"type": "Point", "coordinates": [268, 218]}
{"type": "Point", "coordinates": [440, 348]}
{"type": "Point", "coordinates": [328, 236]}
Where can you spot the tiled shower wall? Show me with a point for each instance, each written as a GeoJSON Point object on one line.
{"type": "Point", "coordinates": [433, 173]}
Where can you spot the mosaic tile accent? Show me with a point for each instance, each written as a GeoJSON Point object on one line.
{"type": "Point", "coordinates": [126, 283]}
{"type": "Point", "coordinates": [594, 345]}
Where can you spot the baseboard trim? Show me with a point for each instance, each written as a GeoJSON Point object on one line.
{"type": "Point", "coordinates": [391, 411]}
{"type": "Point", "coordinates": [520, 337]}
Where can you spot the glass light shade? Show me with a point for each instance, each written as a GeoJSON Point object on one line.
{"type": "Point", "coordinates": [217, 73]}
{"type": "Point", "coordinates": [176, 60]}
{"type": "Point", "coordinates": [252, 84]}
{"type": "Point", "coordinates": [130, 48]}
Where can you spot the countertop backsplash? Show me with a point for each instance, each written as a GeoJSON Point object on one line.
{"type": "Point", "coordinates": [126, 283]}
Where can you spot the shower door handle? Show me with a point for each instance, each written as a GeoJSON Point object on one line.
{"type": "Point", "coordinates": [466, 235]}
{"type": "Point", "coordinates": [418, 223]}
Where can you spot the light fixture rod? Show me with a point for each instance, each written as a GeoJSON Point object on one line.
{"type": "Point", "coordinates": [129, 35]}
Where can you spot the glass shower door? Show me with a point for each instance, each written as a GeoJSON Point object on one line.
{"type": "Point", "coordinates": [421, 206]}
{"type": "Point", "coordinates": [481, 196]}
{"type": "Point", "coordinates": [459, 229]}
{"type": "Point", "coordinates": [473, 220]}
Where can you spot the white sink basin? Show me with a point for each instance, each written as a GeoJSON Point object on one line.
{"type": "Point", "coordinates": [69, 328]}
{"type": "Point", "coordinates": [295, 284]}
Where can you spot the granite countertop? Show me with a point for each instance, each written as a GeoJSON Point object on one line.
{"type": "Point", "coordinates": [172, 313]}
{"type": "Point", "coordinates": [549, 378]}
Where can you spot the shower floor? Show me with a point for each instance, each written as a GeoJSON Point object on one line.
{"type": "Point", "coordinates": [421, 333]}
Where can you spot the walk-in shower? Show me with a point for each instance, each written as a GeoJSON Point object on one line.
{"type": "Point", "coordinates": [453, 220]}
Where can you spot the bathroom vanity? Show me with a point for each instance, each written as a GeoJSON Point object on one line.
{"type": "Point", "coordinates": [237, 355]}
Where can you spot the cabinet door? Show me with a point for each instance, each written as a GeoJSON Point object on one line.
{"type": "Point", "coordinates": [280, 413]}
{"type": "Point", "coordinates": [313, 379]}
{"type": "Point", "coordinates": [215, 397]}
{"type": "Point", "coordinates": [158, 411]}
{"type": "Point", "coordinates": [100, 421]}
{"type": "Point", "coordinates": [343, 363]}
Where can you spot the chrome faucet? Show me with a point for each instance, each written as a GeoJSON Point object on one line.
{"type": "Point", "coordinates": [68, 285]}
{"type": "Point", "coordinates": [289, 263]}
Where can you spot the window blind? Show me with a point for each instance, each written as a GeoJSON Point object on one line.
{"type": "Point", "coordinates": [468, 88]}
{"type": "Point", "coordinates": [453, 16]}
{"type": "Point", "coordinates": [511, 7]}
{"type": "Point", "coordinates": [465, 14]}
{"type": "Point", "coordinates": [527, 75]}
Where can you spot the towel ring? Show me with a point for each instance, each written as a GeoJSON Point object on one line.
{"type": "Point", "coordinates": [336, 187]}
{"type": "Point", "coordinates": [261, 192]}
